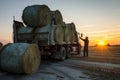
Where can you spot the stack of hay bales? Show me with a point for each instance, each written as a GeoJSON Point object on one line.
{"type": "Point", "coordinates": [33, 16]}
{"type": "Point", "coordinates": [41, 19]}
{"type": "Point", "coordinates": [20, 58]}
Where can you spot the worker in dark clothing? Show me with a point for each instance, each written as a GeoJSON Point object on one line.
{"type": "Point", "coordinates": [86, 43]}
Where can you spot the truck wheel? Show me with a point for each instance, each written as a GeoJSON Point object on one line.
{"type": "Point", "coordinates": [62, 54]}
{"type": "Point", "coordinates": [68, 52]}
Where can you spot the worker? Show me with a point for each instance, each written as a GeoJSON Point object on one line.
{"type": "Point", "coordinates": [86, 43]}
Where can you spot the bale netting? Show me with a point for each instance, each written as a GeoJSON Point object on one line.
{"type": "Point", "coordinates": [20, 58]}
{"type": "Point", "coordinates": [36, 15]}
{"type": "Point", "coordinates": [57, 17]}
{"type": "Point", "coordinates": [25, 33]}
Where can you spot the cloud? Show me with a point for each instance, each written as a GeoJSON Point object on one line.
{"type": "Point", "coordinates": [87, 26]}
{"type": "Point", "coordinates": [99, 31]}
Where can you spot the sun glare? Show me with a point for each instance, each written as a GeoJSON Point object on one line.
{"type": "Point", "coordinates": [101, 43]}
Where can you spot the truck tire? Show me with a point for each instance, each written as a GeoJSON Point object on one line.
{"type": "Point", "coordinates": [62, 54]}
{"type": "Point", "coordinates": [68, 52]}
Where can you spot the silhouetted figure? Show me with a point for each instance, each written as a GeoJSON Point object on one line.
{"type": "Point", "coordinates": [86, 43]}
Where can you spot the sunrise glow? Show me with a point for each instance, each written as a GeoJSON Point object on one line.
{"type": "Point", "coordinates": [101, 43]}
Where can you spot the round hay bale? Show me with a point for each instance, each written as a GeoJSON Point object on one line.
{"type": "Point", "coordinates": [74, 33]}
{"type": "Point", "coordinates": [73, 26]}
{"type": "Point", "coordinates": [59, 34]}
{"type": "Point", "coordinates": [36, 15]}
{"type": "Point", "coordinates": [24, 33]}
{"type": "Point", "coordinates": [57, 16]}
{"type": "Point", "coordinates": [68, 33]}
{"type": "Point", "coordinates": [20, 58]}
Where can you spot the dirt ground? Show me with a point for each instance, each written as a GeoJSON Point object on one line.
{"type": "Point", "coordinates": [101, 64]}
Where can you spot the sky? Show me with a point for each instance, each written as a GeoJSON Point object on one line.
{"type": "Point", "coordinates": [97, 19]}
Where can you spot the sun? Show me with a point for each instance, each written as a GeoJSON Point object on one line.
{"type": "Point", "coordinates": [101, 43]}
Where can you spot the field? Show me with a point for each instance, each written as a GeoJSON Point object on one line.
{"type": "Point", "coordinates": [108, 54]}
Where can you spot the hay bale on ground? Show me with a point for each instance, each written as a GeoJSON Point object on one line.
{"type": "Point", "coordinates": [36, 15]}
{"type": "Point", "coordinates": [20, 58]}
{"type": "Point", "coordinates": [57, 16]}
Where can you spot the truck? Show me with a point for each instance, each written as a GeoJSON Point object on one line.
{"type": "Point", "coordinates": [57, 51]}
{"type": "Point", "coordinates": [50, 40]}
